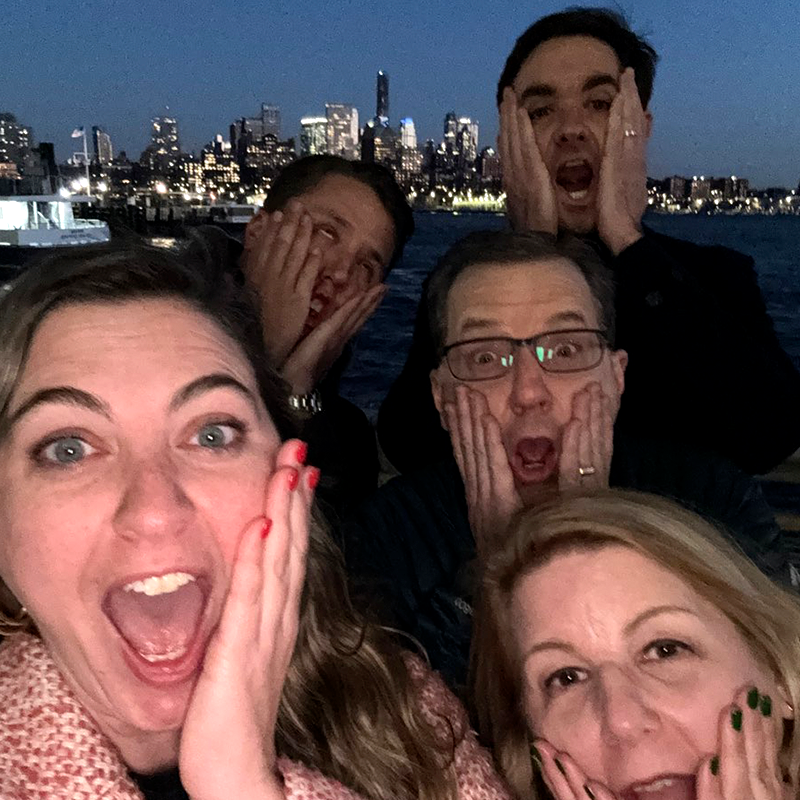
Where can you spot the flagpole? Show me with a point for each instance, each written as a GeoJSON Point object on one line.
{"type": "Point", "coordinates": [86, 163]}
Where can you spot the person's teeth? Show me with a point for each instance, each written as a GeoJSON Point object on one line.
{"type": "Point", "coordinates": [574, 162]}
{"type": "Point", "coordinates": [171, 655]}
{"type": "Point", "coordinates": [655, 786]}
{"type": "Point", "coordinates": [161, 584]}
{"type": "Point", "coordinates": [317, 305]}
{"type": "Point", "coordinates": [578, 195]}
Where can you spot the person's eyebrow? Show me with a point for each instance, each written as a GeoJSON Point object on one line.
{"type": "Point", "coordinates": [600, 79]}
{"type": "Point", "coordinates": [477, 323]}
{"type": "Point", "coordinates": [537, 90]}
{"type": "Point", "coordinates": [207, 383]}
{"type": "Point", "coordinates": [639, 619]}
{"type": "Point", "coordinates": [566, 316]}
{"type": "Point", "coordinates": [548, 644]}
{"type": "Point", "coordinates": [60, 395]}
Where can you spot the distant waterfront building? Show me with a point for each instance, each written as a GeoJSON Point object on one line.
{"type": "Point", "coordinates": [409, 168]}
{"type": "Point", "coordinates": [219, 167]}
{"type": "Point", "coordinates": [103, 151]}
{"type": "Point", "coordinates": [342, 130]}
{"type": "Point", "coordinates": [16, 141]}
{"type": "Point", "coordinates": [379, 144]}
{"type": "Point", "coordinates": [489, 168]}
{"type": "Point", "coordinates": [408, 134]}
{"type": "Point", "coordinates": [382, 104]}
{"type": "Point", "coordinates": [700, 189]}
{"type": "Point", "coordinates": [677, 187]}
{"type": "Point", "coordinates": [467, 139]}
{"type": "Point", "coordinates": [271, 120]}
{"type": "Point", "coordinates": [164, 150]}
{"type": "Point", "coordinates": [313, 136]}
{"type": "Point", "coordinates": [450, 131]}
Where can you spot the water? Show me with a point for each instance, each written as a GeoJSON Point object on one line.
{"type": "Point", "coordinates": [381, 349]}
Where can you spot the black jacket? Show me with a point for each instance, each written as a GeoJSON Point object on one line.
{"type": "Point", "coordinates": [410, 548]}
{"type": "Point", "coordinates": [705, 365]}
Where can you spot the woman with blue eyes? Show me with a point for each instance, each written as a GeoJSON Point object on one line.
{"type": "Point", "coordinates": [627, 651]}
{"type": "Point", "coordinates": [177, 625]}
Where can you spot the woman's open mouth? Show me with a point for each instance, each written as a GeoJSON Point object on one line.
{"type": "Point", "coordinates": [662, 787]}
{"type": "Point", "coordinates": [159, 620]}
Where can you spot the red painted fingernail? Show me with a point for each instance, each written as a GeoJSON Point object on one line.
{"type": "Point", "coordinates": [313, 478]}
{"type": "Point", "coordinates": [302, 452]}
{"type": "Point", "coordinates": [265, 529]}
{"type": "Point", "coordinates": [294, 479]}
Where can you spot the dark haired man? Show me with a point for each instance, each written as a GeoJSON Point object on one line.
{"type": "Point", "coordinates": [317, 255]}
{"type": "Point", "coordinates": [527, 380]}
{"type": "Point", "coordinates": [706, 366]}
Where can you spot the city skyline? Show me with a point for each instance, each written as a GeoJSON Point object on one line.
{"type": "Point", "coordinates": [725, 99]}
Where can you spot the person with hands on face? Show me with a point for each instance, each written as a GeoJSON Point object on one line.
{"type": "Point", "coordinates": [528, 382]}
{"type": "Point", "coordinates": [574, 124]}
{"type": "Point", "coordinates": [176, 617]}
{"type": "Point", "coordinates": [317, 256]}
{"type": "Point", "coordinates": [625, 649]}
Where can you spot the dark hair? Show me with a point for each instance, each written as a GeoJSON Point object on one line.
{"type": "Point", "coordinates": [508, 247]}
{"type": "Point", "coordinates": [117, 272]}
{"type": "Point", "coordinates": [304, 174]}
{"type": "Point", "coordinates": [603, 24]}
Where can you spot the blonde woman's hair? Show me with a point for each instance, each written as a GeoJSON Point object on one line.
{"type": "Point", "coordinates": [766, 615]}
{"type": "Point", "coordinates": [350, 707]}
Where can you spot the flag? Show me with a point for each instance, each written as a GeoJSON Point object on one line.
{"type": "Point", "coordinates": [77, 132]}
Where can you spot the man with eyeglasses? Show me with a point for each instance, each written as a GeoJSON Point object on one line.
{"type": "Point", "coordinates": [528, 384]}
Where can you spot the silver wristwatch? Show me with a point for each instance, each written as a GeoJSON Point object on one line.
{"type": "Point", "coordinates": [306, 405]}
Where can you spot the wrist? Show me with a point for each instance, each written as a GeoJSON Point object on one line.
{"type": "Point", "coordinates": [306, 404]}
{"type": "Point", "coordinates": [622, 239]}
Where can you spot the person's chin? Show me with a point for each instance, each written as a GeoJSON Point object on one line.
{"type": "Point", "coordinates": [577, 216]}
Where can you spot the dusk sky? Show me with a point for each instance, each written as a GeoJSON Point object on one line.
{"type": "Point", "coordinates": [727, 93]}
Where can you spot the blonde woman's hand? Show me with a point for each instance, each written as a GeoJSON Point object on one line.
{"type": "Point", "coordinates": [746, 765]}
{"type": "Point", "coordinates": [563, 777]}
{"type": "Point", "coordinates": [492, 497]}
{"type": "Point", "coordinates": [228, 739]}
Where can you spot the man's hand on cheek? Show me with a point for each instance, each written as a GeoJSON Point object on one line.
{"type": "Point", "coordinates": [530, 194]}
{"type": "Point", "coordinates": [622, 191]}
{"type": "Point", "coordinates": [492, 498]}
{"type": "Point", "coordinates": [588, 442]}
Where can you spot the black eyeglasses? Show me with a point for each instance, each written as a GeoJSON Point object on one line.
{"type": "Point", "coordinates": [556, 351]}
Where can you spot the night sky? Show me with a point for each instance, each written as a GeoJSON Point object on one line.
{"type": "Point", "coordinates": [727, 95]}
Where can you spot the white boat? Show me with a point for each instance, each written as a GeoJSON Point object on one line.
{"type": "Point", "coordinates": [232, 214]}
{"type": "Point", "coordinates": [37, 223]}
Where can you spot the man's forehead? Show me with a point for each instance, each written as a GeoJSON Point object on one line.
{"type": "Point", "coordinates": [566, 59]}
{"type": "Point", "coordinates": [543, 289]}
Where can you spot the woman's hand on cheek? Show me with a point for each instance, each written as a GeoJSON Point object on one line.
{"type": "Point", "coordinates": [747, 763]}
{"type": "Point", "coordinates": [563, 777]}
{"type": "Point", "coordinates": [228, 738]}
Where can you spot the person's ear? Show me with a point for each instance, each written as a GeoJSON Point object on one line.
{"type": "Point", "coordinates": [255, 228]}
{"type": "Point", "coordinates": [438, 396]}
{"type": "Point", "coordinates": [648, 124]}
{"type": "Point", "coordinates": [619, 362]}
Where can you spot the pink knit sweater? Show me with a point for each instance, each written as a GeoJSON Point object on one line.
{"type": "Point", "coordinates": [50, 749]}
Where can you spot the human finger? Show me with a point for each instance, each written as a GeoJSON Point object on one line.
{"type": "Point", "coordinates": [707, 782]}
{"type": "Point", "coordinates": [285, 235]}
{"type": "Point", "coordinates": [307, 276]}
{"type": "Point", "coordinates": [554, 773]}
{"type": "Point", "coordinates": [568, 461]}
{"type": "Point", "coordinates": [477, 408]}
{"type": "Point", "coordinates": [733, 773]}
{"type": "Point", "coordinates": [761, 745]}
{"type": "Point", "coordinates": [364, 309]}
{"type": "Point", "coordinates": [464, 422]}
{"type": "Point", "coordinates": [297, 254]}
{"type": "Point", "coordinates": [454, 430]}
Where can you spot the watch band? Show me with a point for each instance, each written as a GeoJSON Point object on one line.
{"type": "Point", "coordinates": [306, 404]}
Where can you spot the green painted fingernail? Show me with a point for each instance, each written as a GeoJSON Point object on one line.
{"type": "Point", "coordinates": [714, 765]}
{"type": "Point", "coordinates": [752, 698]}
{"type": "Point", "coordinates": [736, 719]}
{"type": "Point", "coordinates": [589, 792]}
{"type": "Point", "coordinates": [766, 705]}
{"type": "Point", "coordinates": [560, 767]}
{"type": "Point", "coordinates": [536, 756]}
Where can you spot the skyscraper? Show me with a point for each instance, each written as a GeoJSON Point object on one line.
{"type": "Point", "coordinates": [408, 134]}
{"type": "Point", "coordinates": [342, 133]}
{"type": "Point", "coordinates": [103, 151]}
{"type": "Point", "coordinates": [382, 107]}
{"type": "Point", "coordinates": [270, 120]}
{"type": "Point", "coordinates": [467, 139]}
{"type": "Point", "coordinates": [15, 140]}
{"type": "Point", "coordinates": [313, 135]}
{"type": "Point", "coordinates": [450, 131]}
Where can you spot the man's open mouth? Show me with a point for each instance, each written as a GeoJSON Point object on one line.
{"type": "Point", "coordinates": [575, 177]}
{"type": "Point", "coordinates": [534, 459]}
{"type": "Point", "coordinates": [159, 618]}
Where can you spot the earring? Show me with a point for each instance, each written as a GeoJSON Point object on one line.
{"type": "Point", "coordinates": [10, 625]}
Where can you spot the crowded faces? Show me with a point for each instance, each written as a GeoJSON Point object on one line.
{"type": "Point", "coordinates": [317, 256]}
{"type": "Point", "coordinates": [177, 623]}
{"type": "Point", "coordinates": [626, 650]}
{"type": "Point", "coordinates": [528, 381]}
{"type": "Point", "coordinates": [574, 123]}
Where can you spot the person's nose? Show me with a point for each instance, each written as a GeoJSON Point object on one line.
{"type": "Point", "coordinates": [626, 712]}
{"type": "Point", "coordinates": [571, 125]}
{"type": "Point", "coordinates": [529, 387]}
{"type": "Point", "coordinates": [337, 264]}
{"type": "Point", "coordinates": [153, 504]}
